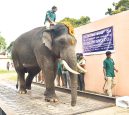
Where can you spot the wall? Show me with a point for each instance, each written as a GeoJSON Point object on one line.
{"type": "Point", "coordinates": [3, 62]}
{"type": "Point", "coordinates": [94, 79]}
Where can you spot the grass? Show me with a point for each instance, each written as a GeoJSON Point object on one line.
{"type": "Point", "coordinates": [6, 71]}
{"type": "Point", "coordinates": [10, 75]}
{"type": "Point", "coordinates": [12, 78]}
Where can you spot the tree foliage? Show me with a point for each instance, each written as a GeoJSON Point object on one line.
{"type": "Point", "coordinates": [121, 6]}
{"type": "Point", "coordinates": [9, 48]}
{"type": "Point", "coordinates": [77, 22]}
{"type": "Point", "coordinates": [2, 43]}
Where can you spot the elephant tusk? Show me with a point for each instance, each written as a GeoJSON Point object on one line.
{"type": "Point", "coordinates": [68, 68]}
{"type": "Point", "coordinates": [82, 69]}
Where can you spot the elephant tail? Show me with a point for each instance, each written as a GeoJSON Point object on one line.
{"type": "Point", "coordinates": [17, 83]}
{"type": "Point", "coordinates": [17, 86]}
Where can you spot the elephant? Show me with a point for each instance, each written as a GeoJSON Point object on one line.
{"type": "Point", "coordinates": [40, 49]}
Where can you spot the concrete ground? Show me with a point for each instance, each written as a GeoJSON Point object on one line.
{"type": "Point", "coordinates": [9, 101]}
{"type": "Point", "coordinates": [109, 111]}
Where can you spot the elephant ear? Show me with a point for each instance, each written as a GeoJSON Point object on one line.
{"type": "Point", "coordinates": [47, 39]}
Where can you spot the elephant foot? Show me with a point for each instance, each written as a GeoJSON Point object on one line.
{"type": "Point", "coordinates": [22, 91]}
{"type": "Point", "coordinates": [73, 103]}
{"type": "Point", "coordinates": [52, 99]}
{"type": "Point", "coordinates": [50, 96]}
{"type": "Point", "coordinates": [28, 87]}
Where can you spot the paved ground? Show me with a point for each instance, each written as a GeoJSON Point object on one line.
{"type": "Point", "coordinates": [33, 103]}
{"type": "Point", "coordinates": [109, 111]}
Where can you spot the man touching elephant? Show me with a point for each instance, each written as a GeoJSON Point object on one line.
{"type": "Point", "coordinates": [81, 61]}
{"type": "Point", "coordinates": [50, 17]}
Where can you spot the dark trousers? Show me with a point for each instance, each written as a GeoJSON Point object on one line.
{"type": "Point", "coordinates": [81, 84]}
{"type": "Point", "coordinates": [66, 79]}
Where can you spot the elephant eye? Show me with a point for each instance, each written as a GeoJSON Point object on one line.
{"type": "Point", "coordinates": [60, 31]}
{"type": "Point", "coordinates": [62, 41]}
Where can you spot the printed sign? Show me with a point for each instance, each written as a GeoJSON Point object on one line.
{"type": "Point", "coordinates": [98, 42]}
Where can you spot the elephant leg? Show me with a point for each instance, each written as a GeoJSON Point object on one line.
{"type": "Point", "coordinates": [50, 74]}
{"type": "Point", "coordinates": [30, 77]}
{"type": "Point", "coordinates": [21, 77]}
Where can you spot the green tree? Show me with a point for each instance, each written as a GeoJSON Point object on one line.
{"type": "Point", "coordinates": [2, 43]}
{"type": "Point", "coordinates": [77, 22]}
{"type": "Point", "coordinates": [9, 48]}
{"type": "Point", "coordinates": [121, 6]}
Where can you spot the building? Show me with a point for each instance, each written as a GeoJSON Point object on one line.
{"type": "Point", "coordinates": [3, 62]}
{"type": "Point", "coordinates": [94, 79]}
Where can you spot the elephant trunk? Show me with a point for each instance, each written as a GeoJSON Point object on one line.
{"type": "Point", "coordinates": [73, 78]}
{"type": "Point", "coordinates": [70, 57]}
{"type": "Point", "coordinates": [72, 63]}
{"type": "Point", "coordinates": [73, 89]}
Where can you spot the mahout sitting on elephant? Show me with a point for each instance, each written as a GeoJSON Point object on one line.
{"type": "Point", "coordinates": [40, 49]}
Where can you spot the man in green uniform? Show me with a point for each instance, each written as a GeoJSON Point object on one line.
{"type": "Point", "coordinates": [50, 17]}
{"type": "Point", "coordinates": [59, 74]}
{"type": "Point", "coordinates": [108, 69]}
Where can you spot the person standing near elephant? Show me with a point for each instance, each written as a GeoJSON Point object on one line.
{"type": "Point", "coordinates": [108, 69]}
{"type": "Point", "coordinates": [81, 61]}
{"type": "Point", "coordinates": [50, 17]}
{"type": "Point", "coordinates": [66, 77]}
{"type": "Point", "coordinates": [8, 66]}
{"type": "Point", "coordinates": [41, 78]}
{"type": "Point", "coordinates": [59, 74]}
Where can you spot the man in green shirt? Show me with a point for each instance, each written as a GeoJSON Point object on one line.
{"type": "Point", "coordinates": [108, 69]}
{"type": "Point", "coordinates": [60, 77]}
{"type": "Point", "coordinates": [50, 17]}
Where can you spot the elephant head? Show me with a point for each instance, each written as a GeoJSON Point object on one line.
{"type": "Point", "coordinates": [62, 44]}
